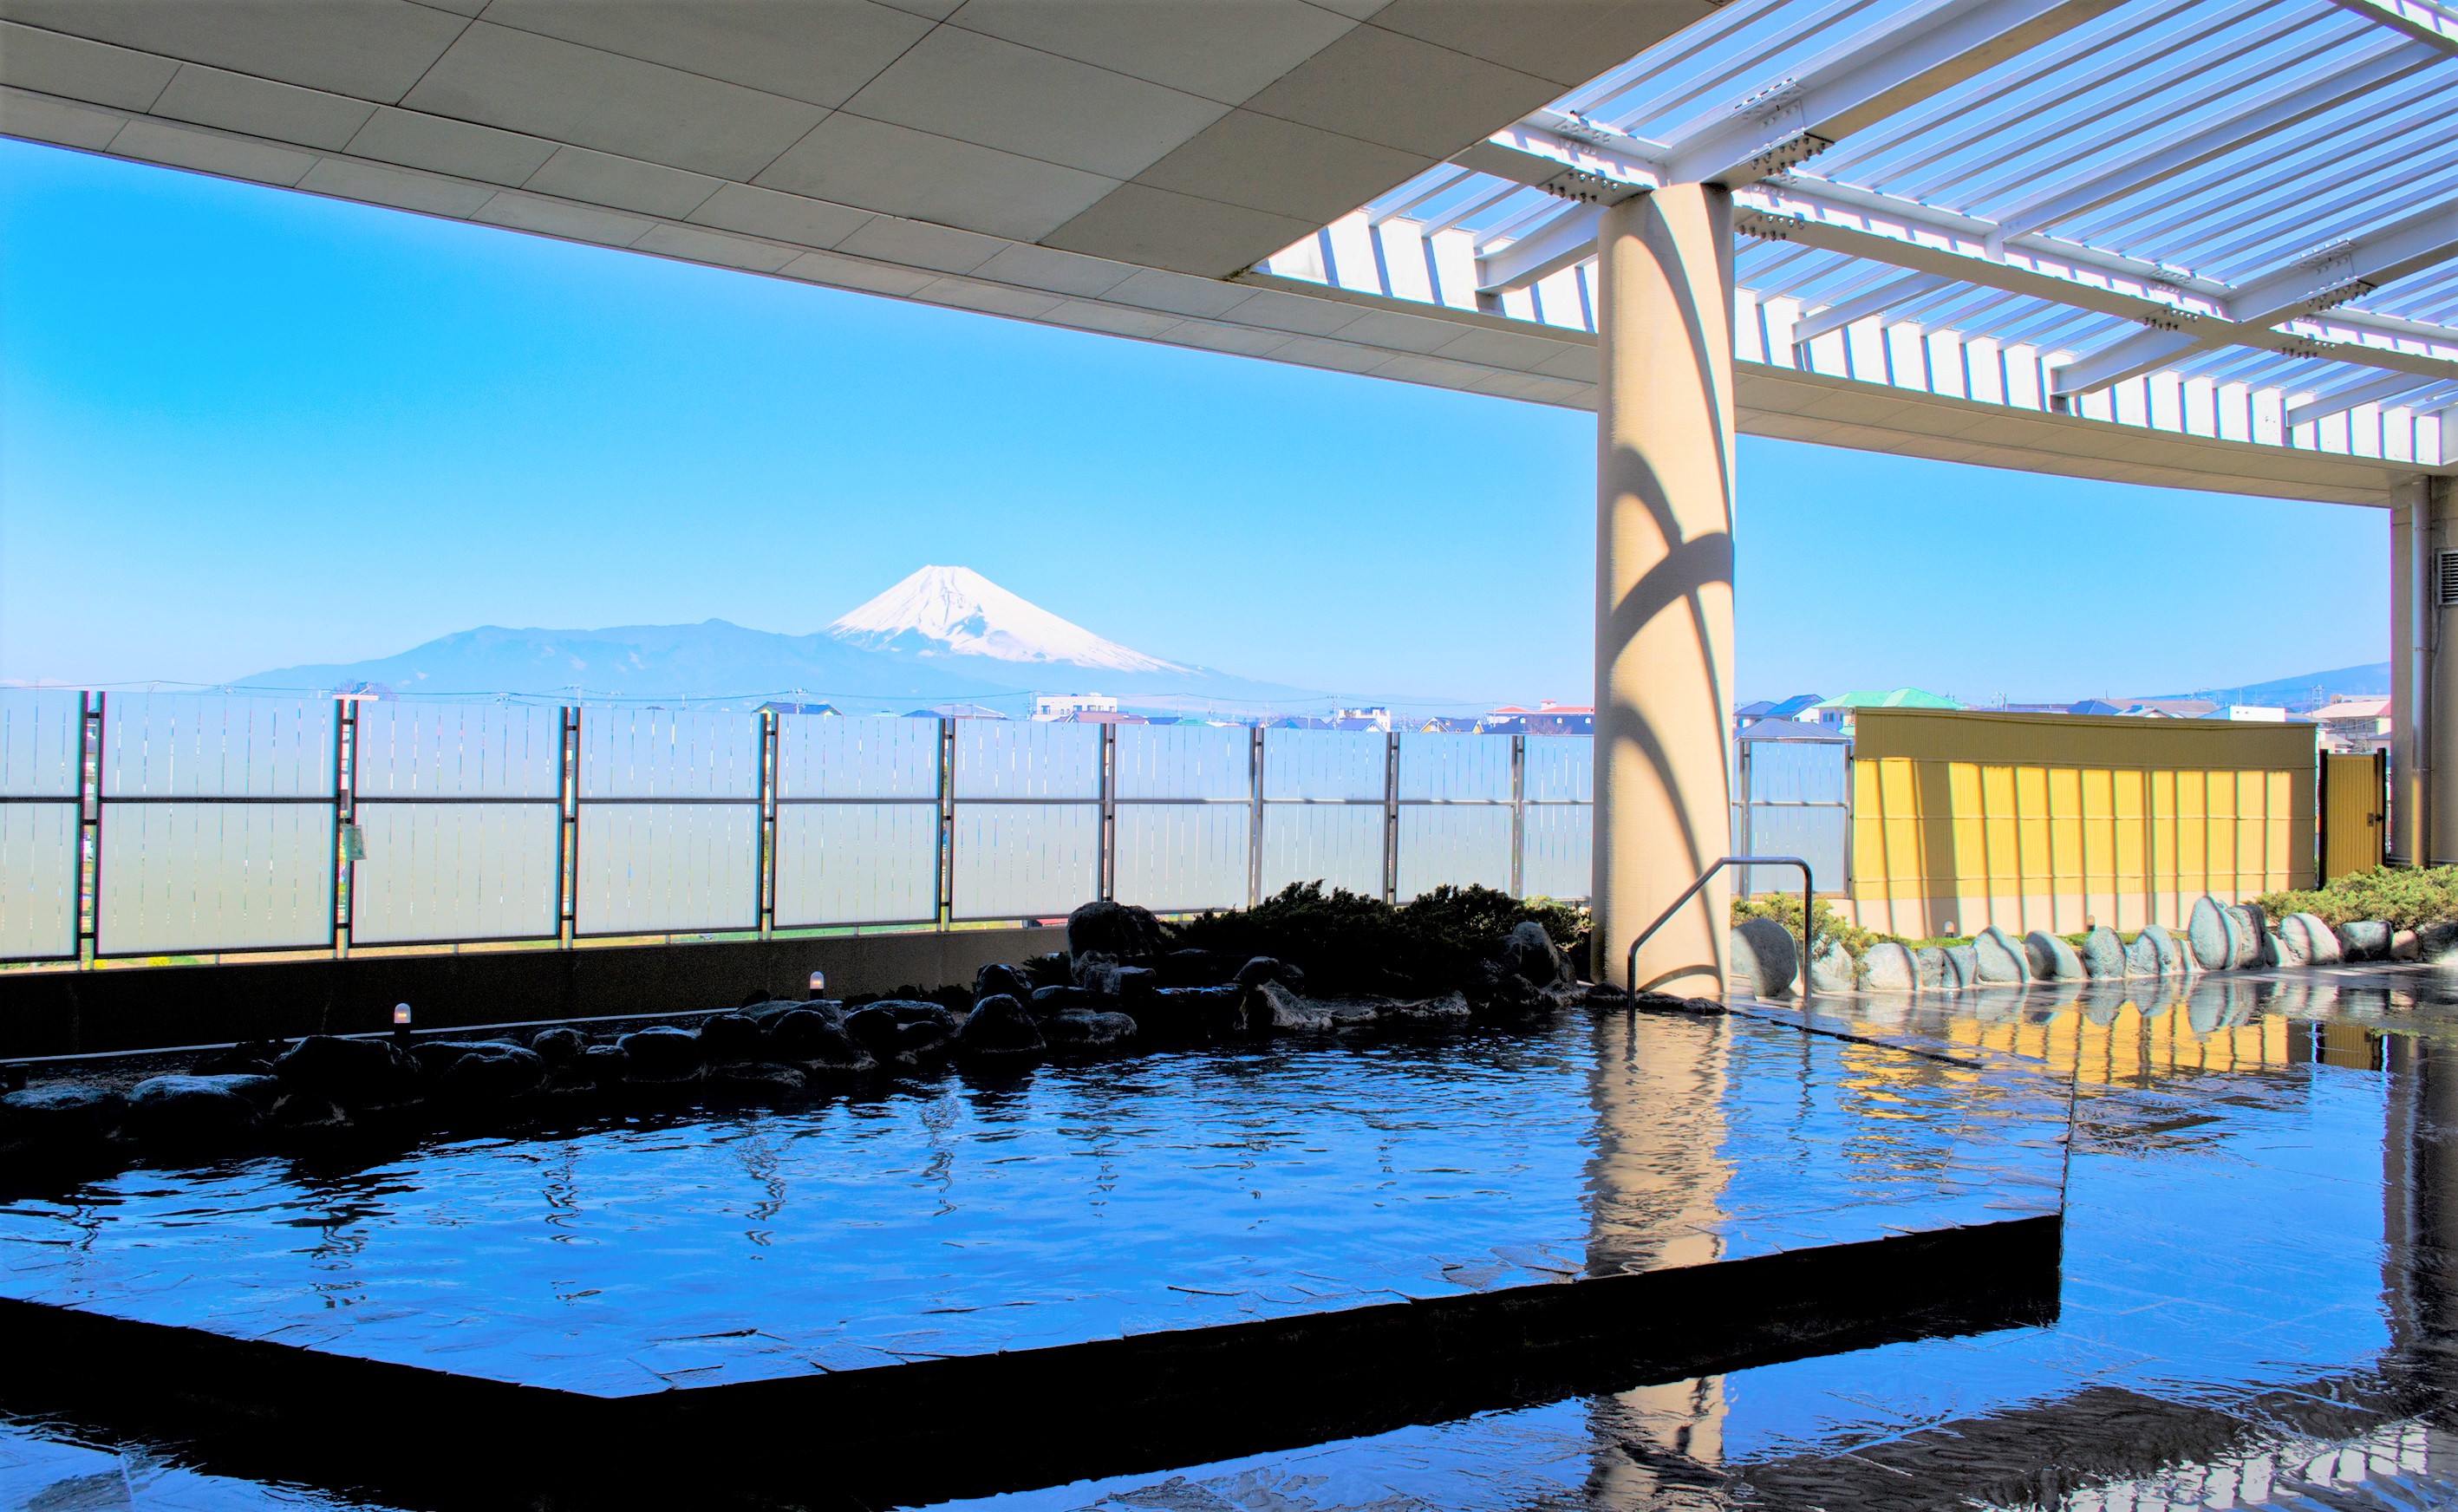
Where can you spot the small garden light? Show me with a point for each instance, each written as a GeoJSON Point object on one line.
{"type": "Point", "coordinates": [818, 983]}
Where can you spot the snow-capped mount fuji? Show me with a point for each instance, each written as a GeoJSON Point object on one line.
{"type": "Point", "coordinates": [956, 612]}
{"type": "Point", "coordinates": [943, 632]}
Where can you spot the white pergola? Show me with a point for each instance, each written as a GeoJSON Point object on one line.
{"type": "Point", "coordinates": [2185, 218]}
{"type": "Point", "coordinates": [2198, 243]}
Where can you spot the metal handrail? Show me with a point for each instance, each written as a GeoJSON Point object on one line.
{"type": "Point", "coordinates": [1631, 971]}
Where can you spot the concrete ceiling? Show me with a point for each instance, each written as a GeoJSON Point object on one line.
{"type": "Point", "coordinates": [1194, 136]}
{"type": "Point", "coordinates": [1115, 166]}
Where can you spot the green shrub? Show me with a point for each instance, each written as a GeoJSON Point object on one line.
{"type": "Point", "coordinates": [1785, 909]}
{"type": "Point", "coordinates": [1348, 942]}
{"type": "Point", "coordinates": [2402, 896]}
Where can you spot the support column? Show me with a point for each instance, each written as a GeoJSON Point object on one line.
{"type": "Point", "coordinates": [1664, 583]}
{"type": "Point", "coordinates": [2424, 688]}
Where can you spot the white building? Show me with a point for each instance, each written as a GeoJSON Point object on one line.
{"type": "Point", "coordinates": [1068, 705]}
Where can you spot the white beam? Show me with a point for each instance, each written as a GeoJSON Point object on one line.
{"type": "Point", "coordinates": [1568, 239]}
{"type": "Point", "coordinates": [2350, 269]}
{"type": "Point", "coordinates": [2165, 154]}
{"type": "Point", "coordinates": [2347, 396]}
{"type": "Point", "coordinates": [2428, 21]}
{"type": "Point", "coordinates": [1884, 297]}
{"type": "Point", "coordinates": [2142, 352]}
{"type": "Point", "coordinates": [1930, 50]}
{"type": "Point", "coordinates": [1545, 157]}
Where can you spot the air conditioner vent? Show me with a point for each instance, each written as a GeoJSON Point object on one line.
{"type": "Point", "coordinates": [2444, 578]}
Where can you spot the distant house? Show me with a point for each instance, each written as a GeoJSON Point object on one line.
{"type": "Point", "coordinates": [2257, 713]}
{"type": "Point", "coordinates": [1792, 730]}
{"type": "Point", "coordinates": [1839, 709]}
{"type": "Point", "coordinates": [1562, 718]}
{"type": "Point", "coordinates": [955, 711]}
{"type": "Point", "coordinates": [1106, 716]}
{"type": "Point", "coordinates": [2100, 706]}
{"type": "Point", "coordinates": [2171, 708]}
{"type": "Point", "coordinates": [1060, 705]}
{"type": "Point", "coordinates": [364, 692]}
{"type": "Point", "coordinates": [1296, 721]}
{"type": "Point", "coordinates": [2354, 726]}
{"type": "Point", "coordinates": [774, 707]}
{"type": "Point", "coordinates": [1507, 719]}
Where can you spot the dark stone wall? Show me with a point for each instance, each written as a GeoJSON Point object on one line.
{"type": "Point", "coordinates": [151, 1008]}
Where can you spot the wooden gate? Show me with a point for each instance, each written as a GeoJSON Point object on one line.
{"type": "Point", "coordinates": [2355, 818]}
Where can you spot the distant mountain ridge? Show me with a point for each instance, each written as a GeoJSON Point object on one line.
{"type": "Point", "coordinates": [2305, 690]}
{"type": "Point", "coordinates": [941, 634]}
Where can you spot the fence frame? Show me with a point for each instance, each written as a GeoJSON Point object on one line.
{"type": "Point", "coordinates": [344, 802]}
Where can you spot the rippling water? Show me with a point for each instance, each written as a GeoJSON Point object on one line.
{"type": "Point", "coordinates": [964, 1215]}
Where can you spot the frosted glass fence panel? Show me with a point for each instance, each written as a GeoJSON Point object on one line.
{"type": "Point", "coordinates": [856, 863]}
{"type": "Point", "coordinates": [659, 868]}
{"type": "Point", "coordinates": [194, 745]}
{"type": "Point", "coordinates": [38, 880]}
{"type": "Point", "coordinates": [1338, 844]}
{"type": "Point", "coordinates": [1026, 861]}
{"type": "Point", "coordinates": [1554, 858]}
{"type": "Point", "coordinates": [1324, 765]}
{"type": "Point", "coordinates": [1184, 761]}
{"type": "Point", "coordinates": [1560, 769]}
{"type": "Point", "coordinates": [1182, 858]}
{"type": "Point", "coordinates": [1000, 758]}
{"type": "Point", "coordinates": [1793, 798]}
{"type": "Point", "coordinates": [668, 754]}
{"type": "Point", "coordinates": [827, 757]}
{"type": "Point", "coordinates": [204, 876]}
{"type": "Point", "coordinates": [1462, 844]}
{"type": "Point", "coordinates": [1815, 835]}
{"type": "Point", "coordinates": [41, 732]}
{"type": "Point", "coordinates": [454, 871]}
{"type": "Point", "coordinates": [458, 751]}
{"type": "Point", "coordinates": [1456, 768]}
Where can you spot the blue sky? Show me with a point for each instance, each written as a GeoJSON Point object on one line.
{"type": "Point", "coordinates": [241, 429]}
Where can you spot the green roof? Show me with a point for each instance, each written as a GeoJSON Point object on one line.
{"type": "Point", "coordinates": [1899, 698]}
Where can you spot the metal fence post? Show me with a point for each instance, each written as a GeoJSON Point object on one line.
{"type": "Point", "coordinates": [1107, 871]}
{"type": "Point", "coordinates": [947, 905]}
{"type": "Point", "coordinates": [1518, 814]}
{"type": "Point", "coordinates": [767, 880]}
{"type": "Point", "coordinates": [1254, 830]}
{"type": "Point", "coordinates": [88, 877]}
{"type": "Point", "coordinates": [566, 911]}
{"type": "Point", "coordinates": [345, 819]}
{"type": "Point", "coordinates": [1391, 815]}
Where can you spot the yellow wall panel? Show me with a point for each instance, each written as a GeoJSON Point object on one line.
{"type": "Point", "coordinates": [2046, 820]}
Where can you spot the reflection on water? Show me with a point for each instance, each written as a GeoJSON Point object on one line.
{"type": "Point", "coordinates": [958, 1216]}
{"type": "Point", "coordinates": [2261, 1242]}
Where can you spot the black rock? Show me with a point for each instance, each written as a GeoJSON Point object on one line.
{"type": "Point", "coordinates": [252, 1058]}
{"type": "Point", "coordinates": [1078, 1030]}
{"type": "Point", "coordinates": [307, 1110]}
{"type": "Point", "coordinates": [1047, 1000]}
{"type": "Point", "coordinates": [198, 1110]}
{"type": "Point", "coordinates": [496, 1074]}
{"type": "Point", "coordinates": [1193, 968]}
{"type": "Point", "coordinates": [769, 1010]}
{"type": "Point", "coordinates": [1120, 989]}
{"type": "Point", "coordinates": [1264, 968]}
{"type": "Point", "coordinates": [1181, 1014]}
{"type": "Point", "coordinates": [1000, 1025]}
{"type": "Point", "coordinates": [1446, 1011]}
{"type": "Point", "coordinates": [1121, 931]}
{"type": "Point", "coordinates": [355, 1073]}
{"type": "Point", "coordinates": [729, 1037]}
{"type": "Point", "coordinates": [1529, 953]}
{"type": "Point", "coordinates": [59, 1115]}
{"type": "Point", "coordinates": [663, 1053]}
{"type": "Point", "coordinates": [435, 1057]}
{"type": "Point", "coordinates": [1268, 1007]}
{"type": "Point", "coordinates": [812, 1037]}
{"type": "Point", "coordinates": [903, 1033]}
{"type": "Point", "coordinates": [605, 1064]}
{"type": "Point", "coordinates": [996, 980]}
{"type": "Point", "coordinates": [558, 1047]}
{"type": "Point", "coordinates": [757, 1082]}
